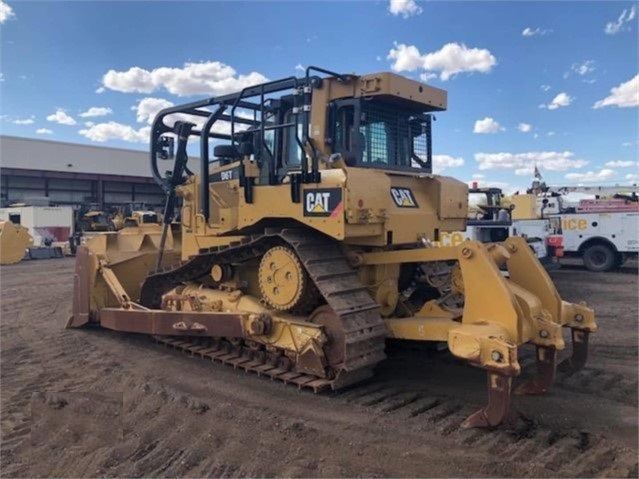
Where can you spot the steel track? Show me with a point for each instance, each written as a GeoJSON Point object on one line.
{"type": "Point", "coordinates": [361, 328]}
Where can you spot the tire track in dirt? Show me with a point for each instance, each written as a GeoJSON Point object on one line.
{"type": "Point", "coordinates": [547, 447]}
{"type": "Point", "coordinates": [564, 453]}
{"type": "Point", "coordinates": [185, 417]}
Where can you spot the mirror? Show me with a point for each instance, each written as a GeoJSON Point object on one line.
{"type": "Point", "coordinates": [166, 150]}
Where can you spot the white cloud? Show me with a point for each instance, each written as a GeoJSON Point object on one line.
{"type": "Point", "coordinates": [632, 176]}
{"type": "Point", "coordinates": [6, 12]}
{"type": "Point", "coordinates": [524, 127]}
{"type": "Point", "coordinates": [583, 68]}
{"type": "Point", "coordinates": [100, 90]}
{"type": "Point", "coordinates": [1, 77]}
{"type": "Point", "coordinates": [450, 60]}
{"type": "Point", "coordinates": [149, 107]}
{"type": "Point", "coordinates": [88, 123]}
{"type": "Point", "coordinates": [135, 79]}
{"type": "Point", "coordinates": [426, 77]}
{"type": "Point", "coordinates": [300, 68]}
{"type": "Point", "coordinates": [44, 131]}
{"type": "Point", "coordinates": [478, 176]}
{"type": "Point", "coordinates": [626, 16]}
{"type": "Point", "coordinates": [116, 131]}
{"type": "Point", "coordinates": [61, 117]}
{"type": "Point", "coordinates": [524, 163]}
{"type": "Point", "coordinates": [487, 125]}
{"type": "Point", "coordinates": [545, 87]}
{"type": "Point", "coordinates": [592, 176]}
{"type": "Point", "coordinates": [96, 111]}
{"type": "Point", "coordinates": [441, 162]}
{"type": "Point", "coordinates": [620, 164]}
{"type": "Point", "coordinates": [26, 121]}
{"type": "Point", "coordinates": [531, 32]}
{"type": "Point", "coordinates": [563, 99]}
{"type": "Point", "coordinates": [550, 133]}
{"type": "Point", "coordinates": [206, 78]}
{"type": "Point", "coordinates": [405, 8]}
{"type": "Point", "coordinates": [624, 96]}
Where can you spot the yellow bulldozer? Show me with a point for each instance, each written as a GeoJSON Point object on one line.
{"type": "Point", "coordinates": [309, 239]}
{"type": "Point", "coordinates": [90, 218]}
{"type": "Point", "coordinates": [132, 214]}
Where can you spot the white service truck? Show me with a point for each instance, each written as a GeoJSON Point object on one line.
{"type": "Point", "coordinates": [603, 231]}
{"type": "Point", "coordinates": [603, 240]}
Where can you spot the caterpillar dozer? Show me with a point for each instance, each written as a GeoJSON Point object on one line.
{"type": "Point", "coordinates": [90, 218]}
{"type": "Point", "coordinates": [132, 214]}
{"type": "Point", "coordinates": [307, 240]}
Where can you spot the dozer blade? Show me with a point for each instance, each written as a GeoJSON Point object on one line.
{"type": "Point", "coordinates": [128, 255]}
{"type": "Point", "coordinates": [14, 242]}
{"type": "Point", "coordinates": [82, 282]}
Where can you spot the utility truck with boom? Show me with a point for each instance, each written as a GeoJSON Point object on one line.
{"type": "Point", "coordinates": [603, 231]}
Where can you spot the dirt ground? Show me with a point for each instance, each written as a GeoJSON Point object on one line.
{"type": "Point", "coordinates": [86, 403]}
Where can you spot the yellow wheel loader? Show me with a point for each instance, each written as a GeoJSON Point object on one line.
{"type": "Point", "coordinates": [308, 239]}
{"type": "Point", "coordinates": [15, 240]}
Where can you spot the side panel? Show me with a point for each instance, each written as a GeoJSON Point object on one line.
{"type": "Point", "coordinates": [321, 208]}
{"type": "Point", "coordinates": [618, 228]}
{"type": "Point", "coordinates": [361, 206]}
{"type": "Point", "coordinates": [630, 232]}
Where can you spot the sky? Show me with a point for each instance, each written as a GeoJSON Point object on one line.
{"type": "Point", "coordinates": [552, 84]}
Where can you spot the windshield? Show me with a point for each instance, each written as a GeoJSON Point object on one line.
{"type": "Point", "coordinates": [381, 136]}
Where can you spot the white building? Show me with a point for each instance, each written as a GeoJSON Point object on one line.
{"type": "Point", "coordinates": [72, 174]}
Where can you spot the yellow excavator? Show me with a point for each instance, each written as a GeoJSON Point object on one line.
{"type": "Point", "coordinates": [308, 239]}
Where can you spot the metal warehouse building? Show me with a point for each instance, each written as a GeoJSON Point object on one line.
{"type": "Point", "coordinates": [72, 174]}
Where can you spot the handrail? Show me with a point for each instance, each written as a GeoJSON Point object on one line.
{"type": "Point", "coordinates": [204, 161]}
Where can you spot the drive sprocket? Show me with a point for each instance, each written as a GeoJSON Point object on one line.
{"type": "Point", "coordinates": [283, 280]}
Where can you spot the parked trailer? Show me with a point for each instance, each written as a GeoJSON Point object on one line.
{"type": "Point", "coordinates": [46, 224]}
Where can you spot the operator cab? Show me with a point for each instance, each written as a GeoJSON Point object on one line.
{"type": "Point", "coordinates": [365, 133]}
{"type": "Point", "coordinates": [289, 131]}
{"type": "Point", "coordinates": [372, 133]}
